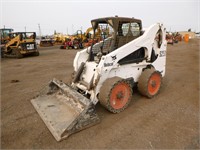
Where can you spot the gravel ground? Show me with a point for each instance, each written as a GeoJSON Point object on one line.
{"type": "Point", "coordinates": [170, 120]}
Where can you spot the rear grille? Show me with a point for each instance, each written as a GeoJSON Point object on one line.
{"type": "Point", "coordinates": [28, 46]}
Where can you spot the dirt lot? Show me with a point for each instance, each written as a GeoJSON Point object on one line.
{"type": "Point", "coordinates": [170, 120]}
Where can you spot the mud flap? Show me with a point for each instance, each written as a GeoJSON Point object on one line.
{"type": "Point", "coordinates": [64, 110]}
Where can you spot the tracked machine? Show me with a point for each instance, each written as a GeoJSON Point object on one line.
{"type": "Point", "coordinates": [20, 44]}
{"type": "Point", "coordinates": [106, 72]}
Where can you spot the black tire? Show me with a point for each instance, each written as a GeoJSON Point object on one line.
{"type": "Point", "coordinates": [150, 82]}
{"type": "Point", "coordinates": [115, 94]}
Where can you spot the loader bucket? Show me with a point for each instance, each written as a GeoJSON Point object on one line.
{"type": "Point", "coordinates": [64, 110]}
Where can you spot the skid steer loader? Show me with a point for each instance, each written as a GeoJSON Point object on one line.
{"type": "Point", "coordinates": [105, 72]}
{"type": "Point", "coordinates": [20, 44]}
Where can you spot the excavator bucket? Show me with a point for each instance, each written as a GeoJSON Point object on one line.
{"type": "Point", "coordinates": [64, 110]}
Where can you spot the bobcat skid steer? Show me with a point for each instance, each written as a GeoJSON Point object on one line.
{"type": "Point", "coordinates": [105, 72]}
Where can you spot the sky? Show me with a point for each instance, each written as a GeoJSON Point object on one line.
{"type": "Point", "coordinates": [67, 16]}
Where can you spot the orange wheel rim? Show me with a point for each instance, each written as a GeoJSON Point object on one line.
{"type": "Point", "coordinates": [120, 95]}
{"type": "Point", "coordinates": [154, 84]}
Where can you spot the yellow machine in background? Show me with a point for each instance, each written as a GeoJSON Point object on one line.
{"type": "Point", "coordinates": [77, 40]}
{"type": "Point", "coordinates": [60, 38]}
{"type": "Point", "coordinates": [80, 40]}
{"type": "Point", "coordinates": [100, 33]}
{"type": "Point", "coordinates": [4, 34]}
{"type": "Point", "coordinates": [20, 44]}
{"type": "Point", "coordinates": [90, 33]}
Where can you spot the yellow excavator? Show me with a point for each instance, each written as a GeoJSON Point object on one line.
{"type": "Point", "coordinates": [89, 34]}
{"type": "Point", "coordinates": [20, 44]}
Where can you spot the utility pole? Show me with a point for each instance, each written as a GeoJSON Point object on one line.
{"type": "Point", "coordinates": [4, 26]}
{"type": "Point", "coordinates": [25, 28]}
{"type": "Point", "coordinates": [40, 31]}
{"type": "Point", "coordinates": [72, 29]}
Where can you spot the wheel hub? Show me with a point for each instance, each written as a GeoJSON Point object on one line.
{"type": "Point", "coordinates": [120, 95]}
{"type": "Point", "coordinates": [153, 83]}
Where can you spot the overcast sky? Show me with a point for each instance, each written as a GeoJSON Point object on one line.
{"type": "Point", "coordinates": [65, 15]}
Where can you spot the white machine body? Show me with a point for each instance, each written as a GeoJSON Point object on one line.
{"type": "Point", "coordinates": [108, 66]}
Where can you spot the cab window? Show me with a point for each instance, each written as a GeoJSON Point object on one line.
{"type": "Point", "coordinates": [135, 29]}
{"type": "Point", "coordinates": [125, 28]}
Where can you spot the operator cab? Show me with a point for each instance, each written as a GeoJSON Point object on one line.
{"type": "Point", "coordinates": [118, 32]}
{"type": "Point", "coordinates": [23, 35]}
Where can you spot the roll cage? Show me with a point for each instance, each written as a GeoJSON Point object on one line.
{"type": "Point", "coordinates": [123, 29]}
{"type": "Point", "coordinates": [23, 35]}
